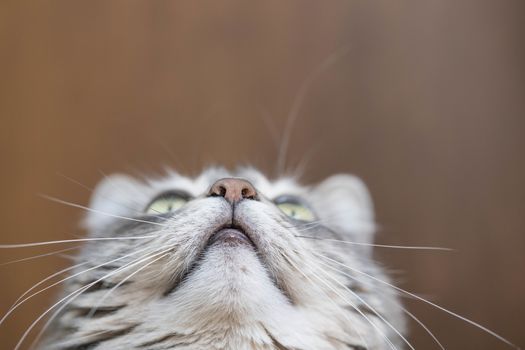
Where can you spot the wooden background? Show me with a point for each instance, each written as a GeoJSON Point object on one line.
{"type": "Point", "coordinates": [426, 105]}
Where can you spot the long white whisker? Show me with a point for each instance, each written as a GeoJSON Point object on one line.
{"type": "Point", "coordinates": [57, 312]}
{"type": "Point", "coordinates": [475, 324]}
{"type": "Point", "coordinates": [378, 245]}
{"type": "Point", "coordinates": [74, 181]}
{"type": "Point", "coordinates": [39, 256]}
{"type": "Point", "coordinates": [45, 280]}
{"type": "Point", "coordinates": [367, 305]}
{"type": "Point", "coordinates": [53, 199]}
{"type": "Point", "coordinates": [35, 244]}
{"type": "Point", "coordinates": [324, 292]}
{"type": "Point", "coordinates": [270, 126]}
{"type": "Point", "coordinates": [327, 219]}
{"type": "Point", "coordinates": [412, 316]}
{"type": "Point", "coordinates": [354, 306]}
{"type": "Point", "coordinates": [10, 311]}
{"type": "Point", "coordinates": [297, 103]}
{"type": "Point", "coordinates": [72, 295]}
{"type": "Point", "coordinates": [105, 296]}
{"type": "Point", "coordinates": [105, 197]}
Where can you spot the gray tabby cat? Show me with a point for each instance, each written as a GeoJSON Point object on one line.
{"type": "Point", "coordinates": [227, 261]}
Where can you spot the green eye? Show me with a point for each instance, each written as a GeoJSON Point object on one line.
{"type": "Point", "coordinates": [295, 210]}
{"type": "Point", "coordinates": [166, 203]}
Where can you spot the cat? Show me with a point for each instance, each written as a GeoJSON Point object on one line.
{"type": "Point", "coordinates": [227, 260]}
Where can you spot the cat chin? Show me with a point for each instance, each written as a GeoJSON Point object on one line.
{"type": "Point", "coordinates": [229, 276]}
{"type": "Point", "coordinates": [231, 299]}
{"type": "Point", "coordinates": [229, 265]}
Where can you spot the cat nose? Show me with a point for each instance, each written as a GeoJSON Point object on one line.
{"type": "Point", "coordinates": [233, 190]}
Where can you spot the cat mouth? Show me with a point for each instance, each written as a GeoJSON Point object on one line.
{"type": "Point", "coordinates": [230, 235]}
{"type": "Point", "coordinates": [227, 236]}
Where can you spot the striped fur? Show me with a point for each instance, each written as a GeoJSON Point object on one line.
{"type": "Point", "coordinates": [169, 291]}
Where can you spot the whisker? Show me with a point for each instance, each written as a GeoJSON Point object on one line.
{"type": "Point", "coordinates": [325, 293]}
{"type": "Point", "coordinates": [10, 311]}
{"type": "Point", "coordinates": [74, 181]}
{"type": "Point", "coordinates": [68, 257]}
{"type": "Point", "coordinates": [326, 219]}
{"type": "Point", "coordinates": [105, 197]}
{"type": "Point", "coordinates": [304, 163]}
{"type": "Point", "coordinates": [35, 244]}
{"type": "Point", "coordinates": [412, 316]}
{"type": "Point", "coordinates": [270, 126]}
{"type": "Point", "coordinates": [298, 102]}
{"type": "Point", "coordinates": [106, 295]}
{"type": "Point", "coordinates": [39, 256]}
{"type": "Point", "coordinates": [367, 305]}
{"type": "Point", "coordinates": [53, 199]}
{"type": "Point", "coordinates": [379, 245]}
{"type": "Point", "coordinates": [323, 223]}
{"type": "Point", "coordinates": [72, 296]}
{"type": "Point", "coordinates": [475, 324]}
{"type": "Point", "coordinates": [57, 312]}
{"type": "Point", "coordinates": [45, 280]}
{"type": "Point", "coordinates": [356, 308]}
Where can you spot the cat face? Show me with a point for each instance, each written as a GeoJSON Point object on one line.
{"type": "Point", "coordinates": [228, 260]}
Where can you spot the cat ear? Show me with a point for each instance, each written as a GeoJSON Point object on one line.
{"type": "Point", "coordinates": [116, 195]}
{"type": "Point", "coordinates": [344, 205]}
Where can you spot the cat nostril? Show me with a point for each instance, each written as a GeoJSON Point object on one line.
{"type": "Point", "coordinates": [246, 193]}
{"type": "Point", "coordinates": [233, 190]}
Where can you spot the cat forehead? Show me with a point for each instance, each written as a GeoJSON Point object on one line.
{"type": "Point", "coordinates": [202, 183]}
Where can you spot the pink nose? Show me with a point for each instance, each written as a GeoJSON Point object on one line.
{"type": "Point", "coordinates": [233, 190]}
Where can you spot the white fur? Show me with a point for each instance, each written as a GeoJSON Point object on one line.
{"type": "Point", "coordinates": [236, 297]}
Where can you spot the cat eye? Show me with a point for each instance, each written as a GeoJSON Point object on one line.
{"type": "Point", "coordinates": [166, 203]}
{"type": "Point", "coordinates": [293, 208]}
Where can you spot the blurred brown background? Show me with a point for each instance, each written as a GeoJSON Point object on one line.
{"type": "Point", "coordinates": [427, 106]}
